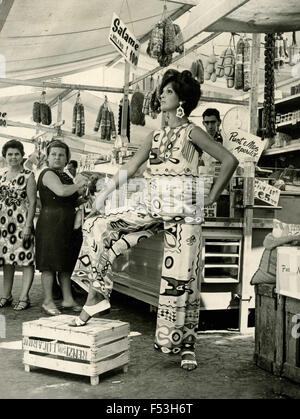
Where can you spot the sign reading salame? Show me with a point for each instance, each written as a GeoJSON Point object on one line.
{"type": "Point", "coordinates": [124, 41]}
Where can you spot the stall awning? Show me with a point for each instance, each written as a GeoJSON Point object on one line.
{"type": "Point", "coordinates": [48, 38]}
{"type": "Point", "coordinates": [51, 38]}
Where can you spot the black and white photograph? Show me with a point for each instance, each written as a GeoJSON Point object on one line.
{"type": "Point", "coordinates": [150, 202]}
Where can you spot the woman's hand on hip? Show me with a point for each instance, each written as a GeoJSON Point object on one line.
{"type": "Point", "coordinates": [208, 201]}
{"type": "Point", "coordinates": [99, 204]}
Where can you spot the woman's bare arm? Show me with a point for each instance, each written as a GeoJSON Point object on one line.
{"type": "Point", "coordinates": [52, 181]}
{"type": "Point", "coordinates": [228, 162]}
{"type": "Point", "coordinates": [31, 195]}
{"type": "Point", "coordinates": [127, 170]}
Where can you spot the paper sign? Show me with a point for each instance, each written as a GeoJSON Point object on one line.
{"type": "Point", "coordinates": [210, 211]}
{"type": "Point", "coordinates": [124, 41]}
{"type": "Point", "coordinates": [244, 145]}
{"type": "Point", "coordinates": [266, 192]}
{"type": "Point", "coordinates": [3, 117]}
{"type": "Point", "coordinates": [288, 271]}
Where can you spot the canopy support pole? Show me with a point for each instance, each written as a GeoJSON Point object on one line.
{"type": "Point", "coordinates": [125, 106]}
{"type": "Point", "coordinates": [52, 85]}
{"type": "Point", "coordinates": [249, 192]}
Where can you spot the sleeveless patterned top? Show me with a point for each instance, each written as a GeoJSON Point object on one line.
{"type": "Point", "coordinates": [173, 153]}
{"type": "Point", "coordinates": [174, 190]}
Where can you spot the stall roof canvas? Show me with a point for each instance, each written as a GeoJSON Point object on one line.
{"type": "Point", "coordinates": [51, 38]}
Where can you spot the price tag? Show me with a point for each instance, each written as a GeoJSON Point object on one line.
{"type": "Point", "coordinates": [210, 211]}
{"type": "Point", "coordinates": [266, 192]}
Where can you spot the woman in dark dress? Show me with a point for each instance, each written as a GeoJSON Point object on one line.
{"type": "Point", "coordinates": [55, 226]}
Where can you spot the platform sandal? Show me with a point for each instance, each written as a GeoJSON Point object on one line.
{"type": "Point", "coordinates": [6, 302]}
{"type": "Point", "coordinates": [22, 305]}
{"type": "Point", "coordinates": [188, 364]}
{"type": "Point", "coordinates": [103, 305]}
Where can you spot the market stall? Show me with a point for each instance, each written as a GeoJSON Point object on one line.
{"type": "Point", "coordinates": [235, 228]}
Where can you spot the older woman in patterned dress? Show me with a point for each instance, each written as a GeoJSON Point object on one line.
{"type": "Point", "coordinates": [17, 209]}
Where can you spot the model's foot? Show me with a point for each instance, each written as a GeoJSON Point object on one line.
{"type": "Point", "coordinates": [89, 311]}
{"type": "Point", "coordinates": [84, 316]}
{"type": "Point", "coordinates": [91, 301]}
{"type": "Point", "coordinates": [188, 360]}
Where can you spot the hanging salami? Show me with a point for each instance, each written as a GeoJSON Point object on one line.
{"type": "Point", "coordinates": [239, 66]}
{"type": "Point", "coordinates": [269, 129]}
{"type": "Point", "coordinates": [247, 66]}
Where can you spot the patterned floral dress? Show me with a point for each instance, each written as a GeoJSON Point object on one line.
{"type": "Point", "coordinates": [14, 250]}
{"type": "Point", "coordinates": [173, 158]}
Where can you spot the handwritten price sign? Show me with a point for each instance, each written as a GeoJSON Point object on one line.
{"type": "Point", "coordinates": [210, 211]}
{"type": "Point", "coordinates": [243, 145]}
{"type": "Point", "coordinates": [266, 192]}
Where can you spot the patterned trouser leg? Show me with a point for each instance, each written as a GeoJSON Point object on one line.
{"type": "Point", "coordinates": [104, 239]}
{"type": "Point", "coordinates": [179, 300]}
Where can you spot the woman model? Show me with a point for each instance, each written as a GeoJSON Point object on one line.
{"type": "Point", "coordinates": [172, 156]}
{"type": "Point", "coordinates": [17, 209]}
{"type": "Point", "coordinates": [55, 227]}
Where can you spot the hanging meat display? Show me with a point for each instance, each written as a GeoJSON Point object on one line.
{"type": "Point", "coordinates": [210, 68]}
{"type": "Point", "coordinates": [197, 70]}
{"type": "Point", "coordinates": [105, 122]}
{"type": "Point", "coordinates": [247, 66]}
{"type": "Point", "coordinates": [78, 122]}
{"type": "Point", "coordinates": [166, 38]}
{"type": "Point", "coordinates": [269, 117]}
{"type": "Point", "coordinates": [220, 72]}
{"type": "Point", "coordinates": [229, 64]}
{"type": "Point", "coordinates": [120, 119]}
{"type": "Point", "coordinates": [239, 65]}
{"type": "Point", "coordinates": [137, 117]}
{"type": "Point", "coordinates": [41, 112]}
{"type": "Point", "coordinates": [294, 51]}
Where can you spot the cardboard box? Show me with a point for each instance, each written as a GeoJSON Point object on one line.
{"type": "Point", "coordinates": [288, 271]}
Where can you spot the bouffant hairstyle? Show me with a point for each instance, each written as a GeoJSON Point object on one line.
{"type": "Point", "coordinates": [59, 144]}
{"type": "Point", "coordinates": [212, 112]}
{"type": "Point", "coordinates": [13, 144]}
{"type": "Point", "coordinates": [185, 86]}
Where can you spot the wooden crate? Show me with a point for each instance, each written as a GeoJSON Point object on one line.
{"type": "Point", "coordinates": [102, 345]}
{"type": "Point", "coordinates": [291, 365]}
{"type": "Point", "coordinates": [269, 328]}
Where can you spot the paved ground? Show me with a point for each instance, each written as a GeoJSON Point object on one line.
{"type": "Point", "coordinates": [226, 369]}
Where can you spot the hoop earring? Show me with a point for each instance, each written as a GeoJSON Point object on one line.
{"type": "Point", "coordinates": [180, 111]}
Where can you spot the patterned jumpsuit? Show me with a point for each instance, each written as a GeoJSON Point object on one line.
{"type": "Point", "coordinates": [173, 159]}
